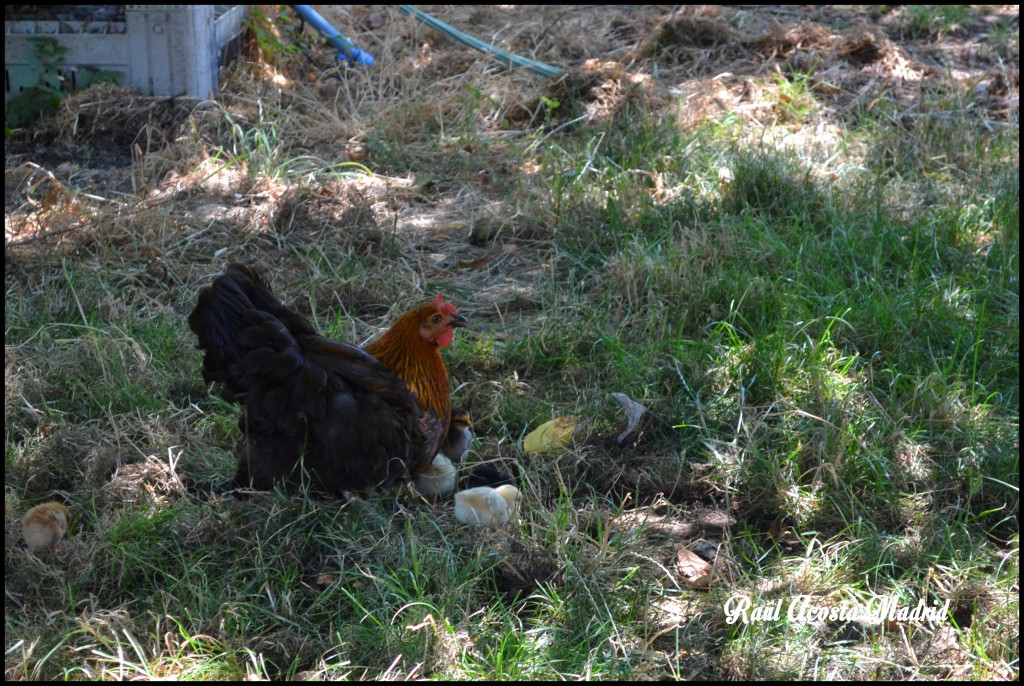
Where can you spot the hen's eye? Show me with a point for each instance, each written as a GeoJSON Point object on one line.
{"type": "Point", "coordinates": [436, 319]}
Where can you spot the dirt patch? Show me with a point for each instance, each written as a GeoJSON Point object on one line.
{"type": "Point", "coordinates": [104, 127]}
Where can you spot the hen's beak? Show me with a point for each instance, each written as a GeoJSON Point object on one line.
{"type": "Point", "coordinates": [458, 321]}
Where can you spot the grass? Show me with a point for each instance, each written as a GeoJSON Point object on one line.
{"type": "Point", "coordinates": [826, 335]}
{"type": "Point", "coordinates": [937, 21]}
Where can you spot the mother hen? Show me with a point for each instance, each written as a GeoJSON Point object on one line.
{"type": "Point", "coordinates": [354, 418]}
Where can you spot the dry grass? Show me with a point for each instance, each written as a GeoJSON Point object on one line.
{"type": "Point", "coordinates": [594, 228]}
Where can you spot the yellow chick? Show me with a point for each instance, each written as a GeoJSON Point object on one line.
{"type": "Point", "coordinates": [44, 525]}
{"type": "Point", "coordinates": [512, 497]}
{"type": "Point", "coordinates": [438, 479]}
{"type": "Point", "coordinates": [486, 506]}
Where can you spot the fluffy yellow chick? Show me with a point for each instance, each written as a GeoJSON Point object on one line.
{"type": "Point", "coordinates": [486, 506]}
{"type": "Point", "coordinates": [512, 496]}
{"type": "Point", "coordinates": [44, 525]}
{"type": "Point", "coordinates": [438, 479]}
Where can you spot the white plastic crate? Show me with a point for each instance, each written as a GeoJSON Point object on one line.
{"type": "Point", "coordinates": [169, 50]}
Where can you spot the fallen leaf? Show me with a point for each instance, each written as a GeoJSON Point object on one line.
{"type": "Point", "coordinates": [693, 569]}
{"type": "Point", "coordinates": [550, 435]}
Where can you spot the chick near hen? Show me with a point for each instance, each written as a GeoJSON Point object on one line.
{"type": "Point", "coordinates": [486, 506]}
{"type": "Point", "coordinates": [437, 480]}
{"type": "Point", "coordinates": [512, 496]}
{"type": "Point", "coordinates": [441, 477]}
{"type": "Point", "coordinates": [45, 525]}
{"type": "Point", "coordinates": [485, 475]}
{"type": "Point", "coordinates": [459, 440]}
{"type": "Point", "coordinates": [354, 418]}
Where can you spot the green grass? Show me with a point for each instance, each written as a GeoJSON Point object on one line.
{"type": "Point", "coordinates": [831, 361]}
{"type": "Point", "coordinates": [936, 21]}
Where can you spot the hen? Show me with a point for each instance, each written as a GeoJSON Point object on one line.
{"type": "Point", "coordinates": [354, 418]}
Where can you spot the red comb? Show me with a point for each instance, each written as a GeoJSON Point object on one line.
{"type": "Point", "coordinates": [439, 301]}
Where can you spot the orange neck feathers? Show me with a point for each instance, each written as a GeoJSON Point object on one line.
{"type": "Point", "coordinates": [416, 361]}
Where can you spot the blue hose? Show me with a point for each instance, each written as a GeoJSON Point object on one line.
{"type": "Point", "coordinates": [344, 45]}
{"type": "Point", "coordinates": [506, 57]}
